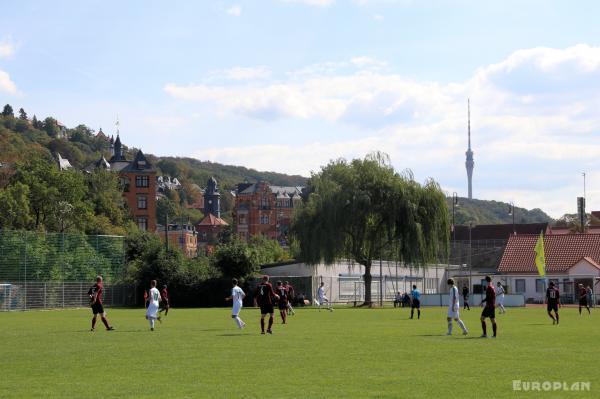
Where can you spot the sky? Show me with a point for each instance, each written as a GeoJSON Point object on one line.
{"type": "Point", "coordinates": [288, 85]}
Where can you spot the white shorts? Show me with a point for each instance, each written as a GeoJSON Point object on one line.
{"type": "Point", "coordinates": [151, 311]}
{"type": "Point", "coordinates": [452, 314]}
{"type": "Point", "coordinates": [500, 300]}
{"type": "Point", "coordinates": [236, 309]}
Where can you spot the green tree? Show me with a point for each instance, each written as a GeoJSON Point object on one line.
{"type": "Point", "coordinates": [14, 207]}
{"type": "Point", "coordinates": [8, 111]}
{"type": "Point", "coordinates": [22, 114]}
{"type": "Point", "coordinates": [236, 259]}
{"type": "Point", "coordinates": [165, 208]}
{"type": "Point", "coordinates": [51, 127]}
{"type": "Point", "coordinates": [362, 209]}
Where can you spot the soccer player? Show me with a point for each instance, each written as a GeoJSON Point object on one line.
{"type": "Point", "coordinates": [500, 297]}
{"type": "Point", "coordinates": [95, 294]}
{"type": "Point", "coordinates": [416, 302]}
{"type": "Point", "coordinates": [323, 298]}
{"type": "Point", "coordinates": [291, 296]}
{"type": "Point", "coordinates": [263, 298]}
{"type": "Point", "coordinates": [453, 307]}
{"type": "Point", "coordinates": [237, 295]}
{"type": "Point", "coordinates": [164, 304]}
{"type": "Point", "coordinates": [490, 307]}
{"type": "Point", "coordinates": [553, 302]}
{"type": "Point", "coordinates": [465, 293]}
{"type": "Point", "coordinates": [583, 299]}
{"type": "Point", "coordinates": [154, 300]}
{"type": "Point", "coordinates": [282, 303]}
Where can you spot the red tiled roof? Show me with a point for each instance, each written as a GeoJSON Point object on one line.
{"type": "Point", "coordinates": [561, 251]}
{"type": "Point", "coordinates": [212, 220]}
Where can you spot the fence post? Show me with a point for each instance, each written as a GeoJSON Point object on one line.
{"type": "Point", "coordinates": [44, 295]}
{"type": "Point", "coordinates": [25, 265]}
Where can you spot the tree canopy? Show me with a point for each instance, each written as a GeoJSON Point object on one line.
{"type": "Point", "coordinates": [364, 209]}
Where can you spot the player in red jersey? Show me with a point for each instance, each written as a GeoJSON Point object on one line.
{"type": "Point", "coordinates": [553, 302]}
{"type": "Point", "coordinates": [583, 299]}
{"type": "Point", "coordinates": [282, 303]}
{"type": "Point", "coordinates": [164, 294]}
{"type": "Point", "coordinates": [263, 298]}
{"type": "Point", "coordinates": [95, 294]}
{"type": "Point", "coordinates": [490, 307]}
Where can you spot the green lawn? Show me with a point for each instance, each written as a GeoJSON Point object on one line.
{"type": "Point", "coordinates": [348, 353]}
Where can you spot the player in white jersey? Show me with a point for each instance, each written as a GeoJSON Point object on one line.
{"type": "Point", "coordinates": [153, 302]}
{"type": "Point", "coordinates": [237, 296]}
{"type": "Point", "coordinates": [453, 307]}
{"type": "Point", "coordinates": [500, 297]}
{"type": "Point", "coordinates": [322, 298]}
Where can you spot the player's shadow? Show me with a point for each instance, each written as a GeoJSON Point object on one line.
{"type": "Point", "coordinates": [232, 335]}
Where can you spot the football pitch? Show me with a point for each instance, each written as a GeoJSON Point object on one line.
{"type": "Point", "coordinates": [348, 353]}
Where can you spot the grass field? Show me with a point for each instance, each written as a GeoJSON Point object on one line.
{"type": "Point", "coordinates": [350, 353]}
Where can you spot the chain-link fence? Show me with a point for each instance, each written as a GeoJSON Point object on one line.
{"type": "Point", "coordinates": [50, 270]}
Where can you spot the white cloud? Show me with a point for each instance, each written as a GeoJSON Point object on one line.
{"type": "Point", "coordinates": [534, 120]}
{"type": "Point", "coordinates": [6, 50]}
{"type": "Point", "coordinates": [6, 84]}
{"type": "Point", "coordinates": [235, 10]}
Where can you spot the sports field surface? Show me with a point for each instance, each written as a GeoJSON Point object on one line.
{"type": "Point", "coordinates": [348, 353]}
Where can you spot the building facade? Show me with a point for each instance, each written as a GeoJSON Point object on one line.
{"type": "Point", "coordinates": [182, 236]}
{"type": "Point", "coordinates": [571, 259]}
{"type": "Point", "coordinates": [261, 208]}
{"type": "Point", "coordinates": [138, 180]}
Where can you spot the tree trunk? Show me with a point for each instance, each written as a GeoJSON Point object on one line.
{"type": "Point", "coordinates": [368, 279]}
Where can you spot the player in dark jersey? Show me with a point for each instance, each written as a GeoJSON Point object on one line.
{"type": "Point", "coordinates": [552, 302]}
{"type": "Point", "coordinates": [291, 296]}
{"type": "Point", "coordinates": [263, 298]}
{"type": "Point", "coordinates": [583, 299]}
{"type": "Point", "coordinates": [282, 303]}
{"type": "Point", "coordinates": [490, 307]}
{"type": "Point", "coordinates": [164, 304]}
{"type": "Point", "coordinates": [95, 294]}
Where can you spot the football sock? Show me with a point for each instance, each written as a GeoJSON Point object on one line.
{"type": "Point", "coordinates": [270, 322]}
{"type": "Point", "coordinates": [262, 325]}
{"type": "Point", "coordinates": [552, 317]}
{"type": "Point", "coordinates": [412, 312]}
{"type": "Point", "coordinates": [449, 326]}
{"type": "Point", "coordinates": [494, 328]}
{"type": "Point", "coordinates": [105, 322]}
{"type": "Point", "coordinates": [484, 328]}
{"type": "Point", "coordinates": [418, 313]}
{"type": "Point", "coordinates": [151, 322]}
{"type": "Point", "coordinates": [93, 322]}
{"type": "Point", "coordinates": [557, 318]}
{"type": "Point", "coordinates": [462, 325]}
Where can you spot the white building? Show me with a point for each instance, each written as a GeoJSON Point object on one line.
{"type": "Point", "coordinates": [571, 259]}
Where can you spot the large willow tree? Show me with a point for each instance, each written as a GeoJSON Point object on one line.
{"type": "Point", "coordinates": [360, 209]}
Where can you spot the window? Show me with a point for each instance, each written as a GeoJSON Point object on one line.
{"type": "Point", "coordinates": [540, 285]}
{"type": "Point", "coordinates": [141, 181]}
{"type": "Point", "coordinates": [242, 219]}
{"type": "Point", "coordinates": [142, 223]}
{"type": "Point", "coordinates": [264, 219]}
{"type": "Point", "coordinates": [142, 202]}
{"type": "Point", "coordinates": [520, 286]}
{"type": "Point", "coordinates": [124, 183]}
{"type": "Point", "coordinates": [264, 202]}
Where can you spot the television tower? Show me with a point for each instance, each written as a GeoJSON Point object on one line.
{"type": "Point", "coordinates": [469, 163]}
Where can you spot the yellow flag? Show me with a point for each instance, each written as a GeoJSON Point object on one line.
{"type": "Point", "coordinates": [540, 258]}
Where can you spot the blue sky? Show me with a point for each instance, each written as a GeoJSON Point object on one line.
{"type": "Point", "coordinates": [287, 85]}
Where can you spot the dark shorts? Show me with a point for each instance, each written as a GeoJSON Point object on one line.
{"type": "Point", "coordinates": [164, 304]}
{"type": "Point", "coordinates": [552, 306]}
{"type": "Point", "coordinates": [489, 312]}
{"type": "Point", "coordinates": [266, 309]}
{"type": "Point", "coordinates": [282, 305]}
{"type": "Point", "coordinates": [97, 308]}
{"type": "Point", "coordinates": [583, 302]}
{"type": "Point", "coordinates": [416, 304]}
